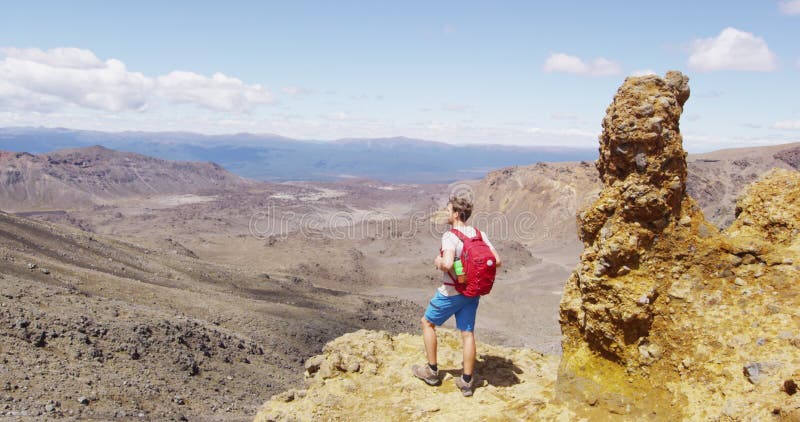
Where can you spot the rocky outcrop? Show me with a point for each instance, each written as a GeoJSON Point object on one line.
{"type": "Point", "coordinates": [664, 313]}
{"type": "Point", "coordinates": [365, 376]}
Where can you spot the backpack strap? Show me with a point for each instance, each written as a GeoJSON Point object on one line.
{"type": "Point", "coordinates": [459, 235]}
{"type": "Point", "coordinates": [464, 237]}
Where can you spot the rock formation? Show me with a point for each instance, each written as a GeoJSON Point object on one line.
{"type": "Point", "coordinates": [365, 376]}
{"type": "Point", "coordinates": [664, 314]}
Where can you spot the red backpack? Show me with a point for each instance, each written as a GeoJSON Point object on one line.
{"type": "Point", "coordinates": [479, 266]}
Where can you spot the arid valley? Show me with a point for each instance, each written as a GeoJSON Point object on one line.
{"type": "Point", "coordinates": [168, 289]}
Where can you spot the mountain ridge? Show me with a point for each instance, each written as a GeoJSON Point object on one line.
{"type": "Point", "coordinates": [277, 158]}
{"type": "Point", "coordinates": [95, 174]}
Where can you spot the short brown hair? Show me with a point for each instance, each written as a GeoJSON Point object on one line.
{"type": "Point", "coordinates": [462, 206]}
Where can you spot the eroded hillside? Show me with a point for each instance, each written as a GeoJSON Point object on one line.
{"type": "Point", "coordinates": [93, 327]}
{"type": "Point", "coordinates": [82, 177]}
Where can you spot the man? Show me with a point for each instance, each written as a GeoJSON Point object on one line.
{"type": "Point", "coordinates": [448, 301]}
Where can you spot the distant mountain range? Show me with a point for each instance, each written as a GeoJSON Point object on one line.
{"type": "Point", "coordinates": [277, 158]}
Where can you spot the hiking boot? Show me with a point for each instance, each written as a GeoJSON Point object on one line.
{"type": "Point", "coordinates": [465, 387]}
{"type": "Point", "coordinates": [425, 373]}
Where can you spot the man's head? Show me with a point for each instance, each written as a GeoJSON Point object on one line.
{"type": "Point", "coordinates": [458, 209]}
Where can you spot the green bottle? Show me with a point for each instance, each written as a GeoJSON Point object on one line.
{"type": "Point", "coordinates": [458, 267]}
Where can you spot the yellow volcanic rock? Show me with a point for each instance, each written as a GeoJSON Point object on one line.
{"type": "Point", "coordinates": [664, 313]}
{"type": "Point", "coordinates": [366, 376]}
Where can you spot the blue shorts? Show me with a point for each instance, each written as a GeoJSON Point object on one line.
{"type": "Point", "coordinates": [442, 307]}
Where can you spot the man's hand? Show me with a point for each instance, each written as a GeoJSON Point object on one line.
{"type": "Point", "coordinates": [437, 263]}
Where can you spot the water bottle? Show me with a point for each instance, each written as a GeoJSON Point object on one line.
{"type": "Point", "coordinates": [458, 267]}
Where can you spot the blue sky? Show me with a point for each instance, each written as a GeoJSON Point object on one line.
{"type": "Point", "coordinates": [527, 73]}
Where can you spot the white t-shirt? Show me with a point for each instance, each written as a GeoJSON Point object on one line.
{"type": "Point", "coordinates": [452, 242]}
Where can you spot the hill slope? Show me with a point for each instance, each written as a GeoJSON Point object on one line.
{"type": "Point", "coordinates": [135, 330]}
{"type": "Point", "coordinates": [94, 175]}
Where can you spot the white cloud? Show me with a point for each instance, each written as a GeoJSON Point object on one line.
{"type": "Point", "coordinates": [732, 49]}
{"type": "Point", "coordinates": [72, 76]}
{"type": "Point", "coordinates": [789, 7]}
{"type": "Point", "coordinates": [219, 92]}
{"type": "Point", "coordinates": [339, 115]}
{"type": "Point", "coordinates": [56, 57]}
{"type": "Point", "coordinates": [643, 72]}
{"type": "Point", "coordinates": [295, 90]}
{"type": "Point", "coordinates": [456, 107]}
{"type": "Point", "coordinates": [46, 80]}
{"type": "Point", "coordinates": [787, 124]}
{"type": "Point", "coordinates": [565, 63]}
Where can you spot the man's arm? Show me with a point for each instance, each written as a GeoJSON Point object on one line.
{"type": "Point", "coordinates": [445, 261]}
{"type": "Point", "coordinates": [497, 261]}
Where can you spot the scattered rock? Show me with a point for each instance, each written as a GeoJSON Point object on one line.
{"type": "Point", "coordinates": [790, 387]}
{"type": "Point", "coordinates": [313, 364]}
{"type": "Point", "coordinates": [40, 340]}
{"type": "Point", "coordinates": [756, 372]}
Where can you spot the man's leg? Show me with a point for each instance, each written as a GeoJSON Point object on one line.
{"type": "Point", "coordinates": [440, 309]}
{"type": "Point", "coordinates": [468, 339]}
{"type": "Point", "coordinates": [429, 336]}
{"type": "Point", "coordinates": [465, 321]}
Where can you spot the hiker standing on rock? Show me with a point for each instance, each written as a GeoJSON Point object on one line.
{"type": "Point", "coordinates": [468, 262]}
